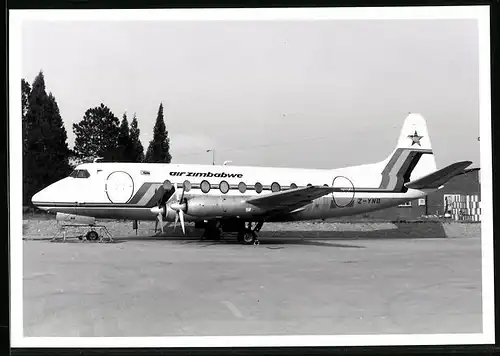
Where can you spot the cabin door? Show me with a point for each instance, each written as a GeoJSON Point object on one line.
{"type": "Point", "coordinates": [119, 187]}
{"type": "Point", "coordinates": [343, 197]}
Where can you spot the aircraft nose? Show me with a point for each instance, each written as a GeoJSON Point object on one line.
{"type": "Point", "coordinates": [38, 197]}
{"type": "Point", "coordinates": [57, 192]}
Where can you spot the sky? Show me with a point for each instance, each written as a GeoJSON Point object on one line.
{"type": "Point", "coordinates": [311, 94]}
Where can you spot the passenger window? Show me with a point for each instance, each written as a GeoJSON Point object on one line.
{"type": "Point", "coordinates": [224, 187]}
{"type": "Point", "coordinates": [242, 187]}
{"type": "Point", "coordinates": [258, 187]}
{"type": "Point", "coordinates": [205, 186]}
{"type": "Point", "coordinates": [187, 185]}
{"type": "Point", "coordinates": [275, 187]}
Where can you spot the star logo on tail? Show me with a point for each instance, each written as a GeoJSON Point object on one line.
{"type": "Point", "coordinates": [415, 138]}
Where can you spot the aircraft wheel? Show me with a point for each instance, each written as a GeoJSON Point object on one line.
{"type": "Point", "coordinates": [249, 238]}
{"type": "Point", "coordinates": [92, 236]}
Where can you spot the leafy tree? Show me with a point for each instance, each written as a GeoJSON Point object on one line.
{"type": "Point", "coordinates": [159, 146]}
{"type": "Point", "coordinates": [137, 150]}
{"type": "Point", "coordinates": [45, 154]}
{"type": "Point", "coordinates": [74, 160]}
{"type": "Point", "coordinates": [96, 135]}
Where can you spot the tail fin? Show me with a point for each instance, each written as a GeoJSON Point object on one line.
{"type": "Point", "coordinates": [413, 157]}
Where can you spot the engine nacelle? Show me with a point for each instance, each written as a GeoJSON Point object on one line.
{"type": "Point", "coordinates": [217, 206]}
{"type": "Point", "coordinates": [75, 219]}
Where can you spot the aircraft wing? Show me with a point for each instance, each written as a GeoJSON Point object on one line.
{"type": "Point", "coordinates": [290, 199]}
{"type": "Point", "coordinates": [438, 178]}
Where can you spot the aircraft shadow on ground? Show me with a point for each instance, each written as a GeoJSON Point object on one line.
{"type": "Point", "coordinates": [270, 242]}
{"type": "Point", "coordinates": [310, 237]}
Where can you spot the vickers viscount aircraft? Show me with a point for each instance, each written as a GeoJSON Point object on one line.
{"type": "Point", "coordinates": [241, 199]}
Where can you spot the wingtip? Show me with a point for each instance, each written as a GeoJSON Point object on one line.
{"type": "Point", "coordinates": [465, 164]}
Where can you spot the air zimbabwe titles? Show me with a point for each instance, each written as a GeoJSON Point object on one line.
{"type": "Point", "coordinates": [206, 175]}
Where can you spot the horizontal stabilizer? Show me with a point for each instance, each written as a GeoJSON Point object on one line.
{"type": "Point", "coordinates": [468, 170]}
{"type": "Point", "coordinates": [438, 178]}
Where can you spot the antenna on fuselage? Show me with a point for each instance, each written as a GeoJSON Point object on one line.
{"type": "Point", "coordinates": [226, 162]}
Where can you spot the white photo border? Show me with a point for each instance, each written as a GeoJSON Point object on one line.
{"type": "Point", "coordinates": [18, 17]}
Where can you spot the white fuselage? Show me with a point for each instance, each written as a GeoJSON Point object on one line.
{"type": "Point", "coordinates": [127, 190]}
{"type": "Point", "coordinates": [149, 191]}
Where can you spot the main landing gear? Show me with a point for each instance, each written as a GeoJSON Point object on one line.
{"type": "Point", "coordinates": [213, 231]}
{"type": "Point", "coordinates": [246, 234]}
{"type": "Point", "coordinates": [249, 236]}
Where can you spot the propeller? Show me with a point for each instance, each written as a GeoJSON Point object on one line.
{"type": "Point", "coordinates": [174, 203]}
{"type": "Point", "coordinates": [180, 216]}
{"type": "Point", "coordinates": [159, 211]}
{"type": "Point", "coordinates": [179, 207]}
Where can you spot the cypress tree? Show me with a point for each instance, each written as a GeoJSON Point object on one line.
{"type": "Point", "coordinates": [25, 95]}
{"type": "Point", "coordinates": [45, 153]}
{"type": "Point", "coordinates": [33, 174]}
{"type": "Point", "coordinates": [159, 146]}
{"type": "Point", "coordinates": [137, 150]}
{"type": "Point", "coordinates": [57, 146]}
{"type": "Point", "coordinates": [124, 143]}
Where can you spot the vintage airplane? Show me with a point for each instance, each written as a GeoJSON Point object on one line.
{"type": "Point", "coordinates": [241, 199]}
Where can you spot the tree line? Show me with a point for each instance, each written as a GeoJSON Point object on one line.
{"type": "Point", "coordinates": [100, 134]}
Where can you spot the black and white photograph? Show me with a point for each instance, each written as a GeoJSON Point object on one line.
{"type": "Point", "coordinates": [251, 177]}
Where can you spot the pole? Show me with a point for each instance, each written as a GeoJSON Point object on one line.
{"type": "Point", "coordinates": [213, 155]}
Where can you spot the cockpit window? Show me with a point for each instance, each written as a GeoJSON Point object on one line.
{"type": "Point", "coordinates": [80, 173]}
{"type": "Point", "coordinates": [83, 173]}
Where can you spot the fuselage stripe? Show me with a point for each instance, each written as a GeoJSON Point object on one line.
{"type": "Point", "coordinates": [149, 195]}
{"type": "Point", "coordinates": [140, 193]}
{"type": "Point", "coordinates": [402, 162]}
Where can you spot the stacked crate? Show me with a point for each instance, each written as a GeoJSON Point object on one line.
{"type": "Point", "coordinates": [466, 208]}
